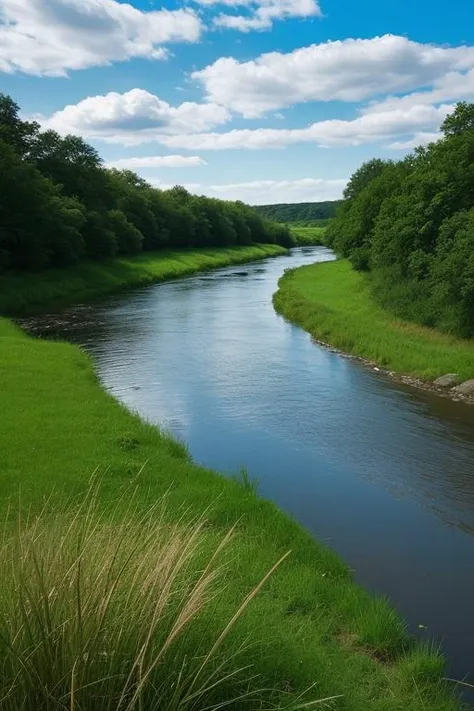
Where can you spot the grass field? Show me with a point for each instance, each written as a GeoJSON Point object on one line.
{"type": "Point", "coordinates": [76, 621]}
{"type": "Point", "coordinates": [308, 235]}
{"type": "Point", "coordinates": [334, 303]}
{"type": "Point", "coordinates": [36, 292]}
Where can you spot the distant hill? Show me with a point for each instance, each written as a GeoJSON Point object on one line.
{"type": "Point", "coordinates": [302, 212]}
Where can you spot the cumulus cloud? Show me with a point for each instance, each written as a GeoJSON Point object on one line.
{"type": "Point", "coordinates": [137, 116]}
{"type": "Point", "coordinates": [419, 139]}
{"type": "Point", "coordinates": [51, 37]}
{"type": "Point", "coordinates": [453, 86]}
{"type": "Point", "coordinates": [264, 12]}
{"type": "Point", "coordinates": [156, 162]}
{"type": "Point", "coordinates": [373, 126]}
{"type": "Point", "coordinates": [348, 70]}
{"type": "Point", "coordinates": [264, 192]}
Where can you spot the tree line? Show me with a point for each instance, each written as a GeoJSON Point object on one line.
{"type": "Point", "coordinates": [302, 213]}
{"type": "Point", "coordinates": [59, 205]}
{"type": "Point", "coordinates": [410, 223]}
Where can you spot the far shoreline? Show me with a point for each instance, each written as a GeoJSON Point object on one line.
{"type": "Point", "coordinates": [333, 304]}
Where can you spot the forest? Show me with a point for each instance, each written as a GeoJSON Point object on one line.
{"type": "Point", "coordinates": [410, 224]}
{"type": "Point", "coordinates": [60, 205]}
{"type": "Point", "coordinates": [303, 213]}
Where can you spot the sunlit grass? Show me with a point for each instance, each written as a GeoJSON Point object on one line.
{"type": "Point", "coordinates": [334, 303]}
{"type": "Point", "coordinates": [35, 292]}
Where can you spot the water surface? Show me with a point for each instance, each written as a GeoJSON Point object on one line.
{"type": "Point", "coordinates": [381, 472]}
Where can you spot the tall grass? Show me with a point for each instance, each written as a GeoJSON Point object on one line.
{"type": "Point", "coordinates": [102, 609]}
{"type": "Point", "coordinates": [335, 304]}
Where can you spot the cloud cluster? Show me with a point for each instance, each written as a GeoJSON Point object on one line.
{"type": "Point", "coordinates": [137, 116]}
{"type": "Point", "coordinates": [51, 37]}
{"type": "Point", "coordinates": [374, 125]}
{"type": "Point", "coordinates": [431, 79]}
{"type": "Point", "coordinates": [262, 13]}
{"type": "Point", "coordinates": [349, 70]}
{"type": "Point", "coordinates": [151, 162]}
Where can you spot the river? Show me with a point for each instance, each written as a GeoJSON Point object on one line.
{"type": "Point", "coordinates": [382, 473]}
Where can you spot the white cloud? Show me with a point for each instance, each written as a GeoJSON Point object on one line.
{"type": "Point", "coordinates": [264, 192]}
{"type": "Point", "coordinates": [349, 70]}
{"type": "Point", "coordinates": [264, 12]}
{"type": "Point", "coordinates": [134, 117]}
{"type": "Point", "coordinates": [156, 162]}
{"type": "Point", "coordinates": [419, 139]}
{"type": "Point", "coordinates": [51, 37]}
{"type": "Point", "coordinates": [453, 86]}
{"type": "Point", "coordinates": [371, 127]}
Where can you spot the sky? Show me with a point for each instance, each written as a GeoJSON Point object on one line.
{"type": "Point", "coordinates": [258, 100]}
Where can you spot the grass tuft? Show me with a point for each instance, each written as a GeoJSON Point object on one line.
{"type": "Point", "coordinates": [248, 483]}
{"type": "Point", "coordinates": [103, 608]}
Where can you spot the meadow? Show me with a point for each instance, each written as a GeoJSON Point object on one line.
{"type": "Point", "coordinates": [334, 303]}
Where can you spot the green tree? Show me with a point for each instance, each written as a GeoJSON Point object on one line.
{"type": "Point", "coordinates": [461, 120]}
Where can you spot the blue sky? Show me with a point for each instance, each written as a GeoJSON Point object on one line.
{"type": "Point", "coordinates": [260, 100]}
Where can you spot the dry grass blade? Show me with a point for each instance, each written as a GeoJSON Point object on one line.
{"type": "Point", "coordinates": [104, 609]}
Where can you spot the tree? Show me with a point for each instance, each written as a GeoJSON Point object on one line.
{"type": "Point", "coordinates": [362, 177]}
{"type": "Point", "coordinates": [461, 120]}
{"type": "Point", "coordinates": [47, 232]}
{"type": "Point", "coordinates": [129, 239]}
{"type": "Point", "coordinates": [19, 134]}
{"type": "Point", "coordinates": [59, 204]}
{"type": "Point", "coordinates": [412, 224]}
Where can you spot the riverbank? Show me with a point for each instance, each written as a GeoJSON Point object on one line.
{"type": "Point", "coordinates": [334, 304]}
{"type": "Point", "coordinates": [310, 625]}
{"type": "Point", "coordinates": [27, 293]}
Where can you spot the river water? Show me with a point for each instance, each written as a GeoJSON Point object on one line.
{"type": "Point", "coordinates": [382, 473]}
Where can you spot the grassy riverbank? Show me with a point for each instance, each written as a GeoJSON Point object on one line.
{"type": "Point", "coordinates": [51, 289]}
{"type": "Point", "coordinates": [309, 628]}
{"type": "Point", "coordinates": [333, 302]}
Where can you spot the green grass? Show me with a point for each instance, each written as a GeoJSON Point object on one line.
{"type": "Point", "coordinates": [310, 627]}
{"type": "Point", "coordinates": [26, 293]}
{"type": "Point", "coordinates": [308, 235]}
{"type": "Point", "coordinates": [334, 303]}
{"type": "Point", "coordinates": [107, 610]}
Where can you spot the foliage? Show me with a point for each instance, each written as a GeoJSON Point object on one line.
{"type": "Point", "coordinates": [308, 235]}
{"type": "Point", "coordinates": [304, 213]}
{"type": "Point", "coordinates": [309, 628]}
{"type": "Point", "coordinates": [59, 204]}
{"type": "Point", "coordinates": [335, 304]}
{"type": "Point", "coordinates": [410, 223]}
